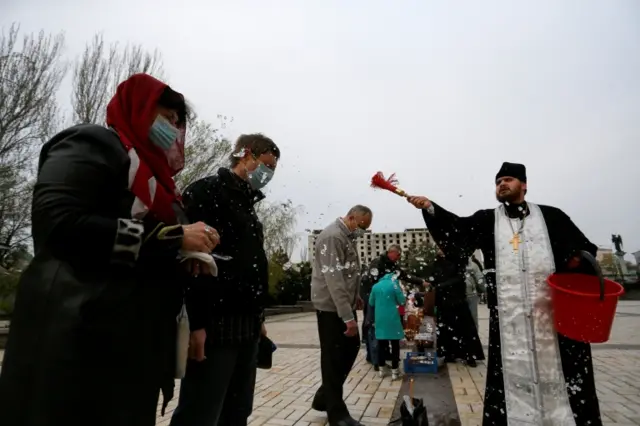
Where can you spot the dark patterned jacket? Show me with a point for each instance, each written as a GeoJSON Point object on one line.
{"type": "Point", "coordinates": [231, 305]}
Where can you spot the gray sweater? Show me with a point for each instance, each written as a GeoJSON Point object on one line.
{"type": "Point", "coordinates": [335, 279]}
{"type": "Point", "coordinates": [474, 279]}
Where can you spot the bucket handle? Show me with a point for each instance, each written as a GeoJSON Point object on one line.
{"type": "Point", "coordinates": [592, 260]}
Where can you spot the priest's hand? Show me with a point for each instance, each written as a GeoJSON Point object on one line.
{"type": "Point", "coordinates": [574, 262]}
{"type": "Point", "coordinates": [419, 202]}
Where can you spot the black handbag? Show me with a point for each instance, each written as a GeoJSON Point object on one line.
{"type": "Point", "coordinates": [414, 415]}
{"type": "Point", "coordinates": [266, 348]}
{"type": "Point", "coordinates": [412, 410]}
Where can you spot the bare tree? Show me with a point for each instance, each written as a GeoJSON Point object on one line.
{"type": "Point", "coordinates": [304, 253]}
{"type": "Point", "coordinates": [30, 75]}
{"type": "Point", "coordinates": [206, 150]}
{"type": "Point", "coordinates": [96, 76]}
{"type": "Point", "coordinates": [15, 217]}
{"type": "Point", "coordinates": [279, 220]}
{"type": "Point", "coordinates": [31, 71]}
{"type": "Point", "coordinates": [100, 69]}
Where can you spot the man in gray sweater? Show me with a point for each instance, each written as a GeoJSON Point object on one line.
{"type": "Point", "coordinates": [335, 284]}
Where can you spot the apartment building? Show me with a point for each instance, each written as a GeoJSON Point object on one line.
{"type": "Point", "coordinates": [372, 245]}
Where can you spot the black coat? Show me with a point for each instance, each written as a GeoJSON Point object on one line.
{"type": "Point", "coordinates": [449, 283]}
{"type": "Point", "coordinates": [226, 203]}
{"type": "Point", "coordinates": [92, 338]}
{"type": "Point", "coordinates": [459, 237]}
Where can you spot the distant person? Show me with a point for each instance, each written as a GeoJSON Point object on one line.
{"type": "Point", "coordinates": [226, 312]}
{"type": "Point", "coordinates": [474, 281]}
{"type": "Point", "coordinates": [457, 334]}
{"type": "Point", "coordinates": [547, 378]}
{"type": "Point", "coordinates": [385, 298]}
{"type": "Point", "coordinates": [93, 335]}
{"type": "Point", "coordinates": [335, 288]}
{"type": "Point", "coordinates": [381, 266]}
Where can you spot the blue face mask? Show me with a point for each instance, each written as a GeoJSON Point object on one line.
{"type": "Point", "coordinates": [260, 177]}
{"type": "Point", "coordinates": [162, 133]}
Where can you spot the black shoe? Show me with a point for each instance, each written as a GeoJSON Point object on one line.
{"type": "Point", "coordinates": [376, 368]}
{"type": "Point", "coordinates": [347, 421]}
{"type": "Point", "coordinates": [449, 360]}
{"type": "Point", "coordinates": [472, 363]}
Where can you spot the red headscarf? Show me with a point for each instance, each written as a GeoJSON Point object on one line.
{"type": "Point", "coordinates": [131, 112]}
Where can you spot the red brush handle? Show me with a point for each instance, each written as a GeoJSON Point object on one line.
{"type": "Point", "coordinates": [378, 181]}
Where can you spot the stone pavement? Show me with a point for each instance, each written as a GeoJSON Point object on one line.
{"type": "Point", "coordinates": [616, 363]}
{"type": "Point", "coordinates": [284, 393]}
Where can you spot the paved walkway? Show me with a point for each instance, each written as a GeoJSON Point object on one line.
{"type": "Point", "coordinates": [284, 393]}
{"type": "Point", "coordinates": [616, 363]}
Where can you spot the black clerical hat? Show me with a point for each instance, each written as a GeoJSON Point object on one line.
{"type": "Point", "coordinates": [514, 170]}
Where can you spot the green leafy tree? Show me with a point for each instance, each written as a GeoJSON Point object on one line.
{"type": "Point", "coordinates": [295, 285]}
{"type": "Point", "coordinates": [8, 286]}
{"type": "Point", "coordinates": [419, 258]}
{"type": "Point", "coordinates": [277, 262]}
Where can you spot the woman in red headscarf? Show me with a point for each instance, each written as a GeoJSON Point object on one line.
{"type": "Point", "coordinates": [93, 336]}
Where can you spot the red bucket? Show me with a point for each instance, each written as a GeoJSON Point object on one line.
{"type": "Point", "coordinates": [584, 305]}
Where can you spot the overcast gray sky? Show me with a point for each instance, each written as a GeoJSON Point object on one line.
{"type": "Point", "coordinates": [440, 93]}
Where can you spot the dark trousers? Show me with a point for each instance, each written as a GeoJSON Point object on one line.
{"type": "Point", "coordinates": [337, 356]}
{"type": "Point", "coordinates": [372, 346]}
{"type": "Point", "coordinates": [218, 390]}
{"type": "Point", "coordinates": [383, 352]}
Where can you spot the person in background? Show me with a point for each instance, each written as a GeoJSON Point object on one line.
{"type": "Point", "coordinates": [219, 384]}
{"type": "Point", "coordinates": [457, 333]}
{"type": "Point", "coordinates": [335, 285]}
{"type": "Point", "coordinates": [385, 264]}
{"type": "Point", "coordinates": [385, 298]}
{"type": "Point", "coordinates": [93, 335]}
{"type": "Point", "coordinates": [474, 281]}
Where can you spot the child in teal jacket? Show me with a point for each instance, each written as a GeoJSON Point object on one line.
{"type": "Point", "coordinates": [385, 298]}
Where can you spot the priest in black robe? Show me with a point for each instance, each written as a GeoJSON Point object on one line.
{"type": "Point", "coordinates": [535, 376]}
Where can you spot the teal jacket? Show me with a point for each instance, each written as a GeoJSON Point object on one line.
{"type": "Point", "coordinates": [385, 298]}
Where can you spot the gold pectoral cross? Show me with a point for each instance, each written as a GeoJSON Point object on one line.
{"type": "Point", "coordinates": [515, 242]}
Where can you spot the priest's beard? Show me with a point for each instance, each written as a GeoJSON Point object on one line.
{"type": "Point", "coordinates": [510, 196]}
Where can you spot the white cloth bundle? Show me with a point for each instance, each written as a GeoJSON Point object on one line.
{"type": "Point", "coordinates": [202, 257]}
{"type": "Point", "coordinates": [182, 343]}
